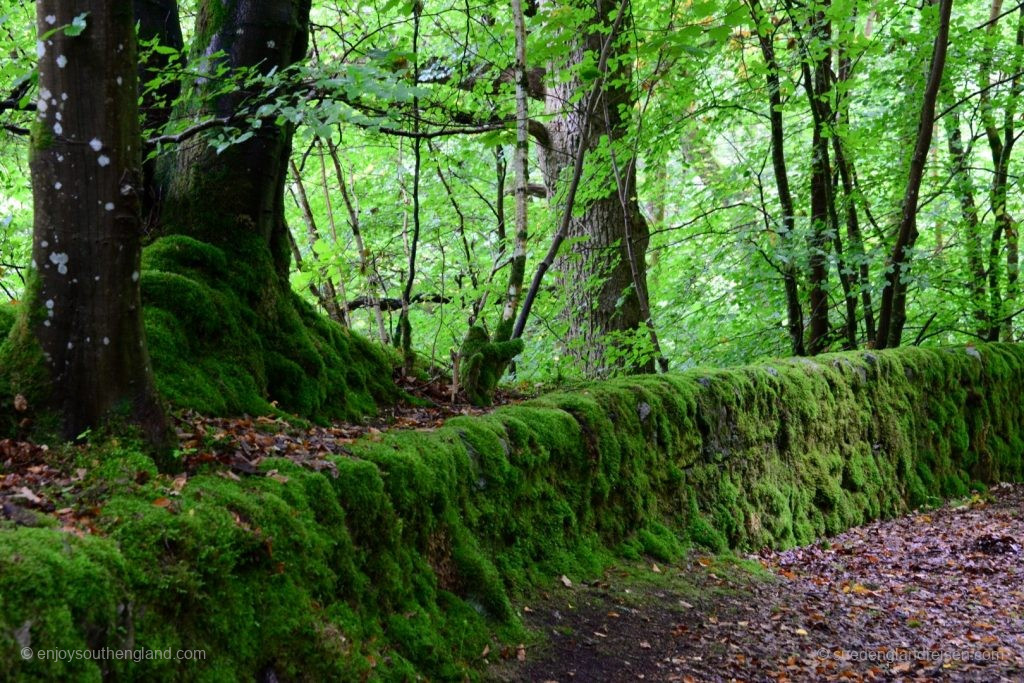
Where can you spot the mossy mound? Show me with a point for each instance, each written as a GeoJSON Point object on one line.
{"type": "Point", "coordinates": [22, 367]}
{"type": "Point", "coordinates": [408, 562]}
{"type": "Point", "coordinates": [7, 315]}
{"type": "Point", "coordinates": [227, 337]}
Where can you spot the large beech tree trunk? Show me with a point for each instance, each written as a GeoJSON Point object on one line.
{"type": "Point", "coordinates": [223, 239]}
{"type": "Point", "coordinates": [215, 197]}
{"type": "Point", "coordinates": [602, 296]}
{"type": "Point", "coordinates": [86, 164]}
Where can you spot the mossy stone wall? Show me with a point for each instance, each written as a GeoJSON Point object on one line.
{"type": "Point", "coordinates": [410, 558]}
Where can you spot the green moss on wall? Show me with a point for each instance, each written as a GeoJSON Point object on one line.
{"type": "Point", "coordinates": [409, 561]}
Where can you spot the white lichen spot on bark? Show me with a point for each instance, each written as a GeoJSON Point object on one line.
{"type": "Point", "coordinates": [95, 144]}
{"type": "Point", "coordinates": [135, 276]}
{"type": "Point", "coordinates": [106, 341]}
{"type": "Point", "coordinates": [60, 259]}
{"type": "Point", "coordinates": [40, 49]}
{"type": "Point", "coordinates": [50, 19]}
{"type": "Point", "coordinates": [103, 160]}
{"type": "Point", "coordinates": [109, 206]}
{"type": "Point", "coordinates": [58, 129]}
{"type": "Point", "coordinates": [62, 61]}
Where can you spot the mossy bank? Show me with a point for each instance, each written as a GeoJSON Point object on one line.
{"type": "Point", "coordinates": [406, 562]}
{"type": "Point", "coordinates": [226, 336]}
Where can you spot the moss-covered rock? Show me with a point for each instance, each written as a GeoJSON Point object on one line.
{"type": "Point", "coordinates": [484, 361]}
{"type": "Point", "coordinates": [409, 560]}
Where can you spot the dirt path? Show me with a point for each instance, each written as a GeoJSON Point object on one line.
{"type": "Point", "coordinates": [931, 596]}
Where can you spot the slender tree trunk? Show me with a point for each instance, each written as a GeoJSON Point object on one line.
{"type": "Point", "coordinates": [963, 188]}
{"type": "Point", "coordinates": [794, 309]}
{"type": "Point", "coordinates": [860, 274]}
{"type": "Point", "coordinates": [517, 268]}
{"type": "Point", "coordinates": [893, 312]}
{"type": "Point", "coordinates": [1009, 223]}
{"type": "Point", "coordinates": [600, 259]}
{"type": "Point", "coordinates": [86, 183]}
{"type": "Point", "coordinates": [816, 75]}
{"type": "Point", "coordinates": [357, 234]}
{"type": "Point", "coordinates": [325, 292]}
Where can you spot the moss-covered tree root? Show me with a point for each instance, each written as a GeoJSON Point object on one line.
{"type": "Point", "coordinates": [406, 561]}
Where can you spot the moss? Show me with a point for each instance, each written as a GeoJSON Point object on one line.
{"type": "Point", "coordinates": [408, 561]}
{"type": "Point", "coordinates": [23, 369]}
{"type": "Point", "coordinates": [8, 313]}
{"type": "Point", "coordinates": [226, 337]}
{"type": "Point", "coordinates": [484, 361]}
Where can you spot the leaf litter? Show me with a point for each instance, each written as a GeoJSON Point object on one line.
{"type": "Point", "coordinates": [931, 596]}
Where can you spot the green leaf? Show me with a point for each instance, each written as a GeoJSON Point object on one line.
{"type": "Point", "coordinates": [77, 26]}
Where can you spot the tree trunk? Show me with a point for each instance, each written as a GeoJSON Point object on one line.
{"type": "Point", "coordinates": [893, 312]}
{"type": "Point", "coordinates": [817, 84]}
{"type": "Point", "coordinates": [157, 19]}
{"type": "Point", "coordinates": [963, 188]}
{"type": "Point", "coordinates": [84, 307]}
{"type": "Point", "coordinates": [602, 303]}
{"type": "Point", "coordinates": [860, 272]}
{"type": "Point", "coordinates": [214, 197]}
{"type": "Point", "coordinates": [794, 309]}
{"type": "Point", "coordinates": [226, 247]}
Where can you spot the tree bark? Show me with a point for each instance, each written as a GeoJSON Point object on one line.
{"type": "Point", "coordinates": [963, 188]}
{"type": "Point", "coordinates": [794, 309]}
{"type": "Point", "coordinates": [215, 197]}
{"type": "Point", "coordinates": [600, 258]}
{"type": "Point", "coordinates": [816, 75]}
{"type": "Point", "coordinates": [893, 312]}
{"type": "Point", "coordinates": [156, 19]}
{"type": "Point", "coordinates": [84, 308]}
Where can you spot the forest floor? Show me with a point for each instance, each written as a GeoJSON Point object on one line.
{"type": "Point", "coordinates": [933, 596]}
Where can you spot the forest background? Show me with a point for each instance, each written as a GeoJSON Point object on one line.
{"type": "Point", "coordinates": [755, 179]}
